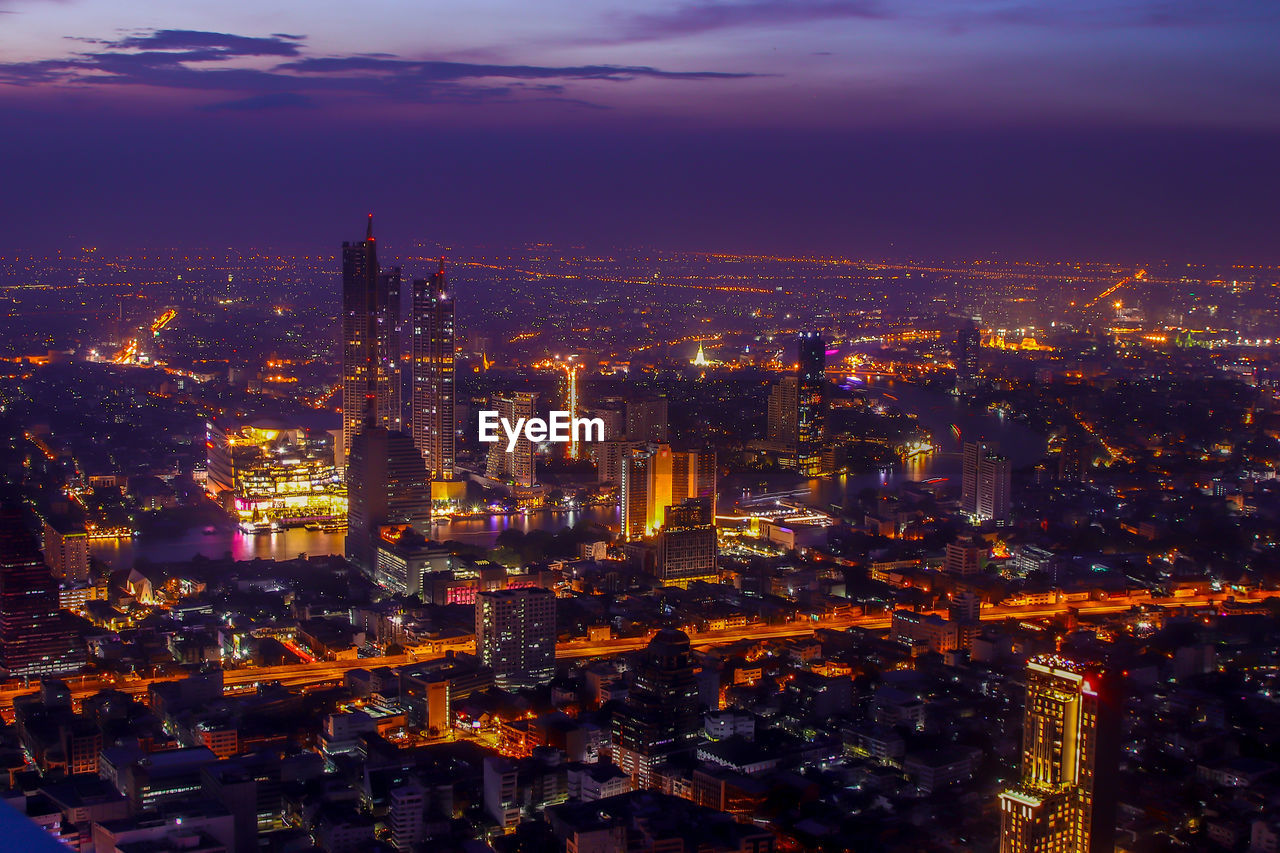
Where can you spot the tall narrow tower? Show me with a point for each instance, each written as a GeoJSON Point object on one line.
{"type": "Point", "coordinates": [433, 374]}
{"type": "Point", "coordinates": [370, 342]}
{"type": "Point", "coordinates": [811, 414]}
{"type": "Point", "coordinates": [965, 353]}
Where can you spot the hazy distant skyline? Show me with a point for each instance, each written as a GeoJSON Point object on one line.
{"type": "Point", "coordinates": [946, 127]}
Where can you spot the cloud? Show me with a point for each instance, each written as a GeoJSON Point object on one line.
{"type": "Point", "coordinates": [1125, 14]}
{"type": "Point", "coordinates": [221, 44]}
{"type": "Point", "coordinates": [438, 71]}
{"type": "Point", "coordinates": [224, 62]}
{"type": "Point", "coordinates": [270, 101]}
{"type": "Point", "coordinates": [696, 18]}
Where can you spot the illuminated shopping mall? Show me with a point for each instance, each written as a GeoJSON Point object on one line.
{"type": "Point", "coordinates": [274, 475]}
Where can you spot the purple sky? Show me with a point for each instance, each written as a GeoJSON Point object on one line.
{"type": "Point", "coordinates": [1121, 128]}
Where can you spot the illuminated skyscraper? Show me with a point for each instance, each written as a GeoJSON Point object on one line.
{"type": "Point", "coordinates": [985, 483]}
{"type": "Point", "coordinates": [571, 404]}
{"type": "Point", "coordinates": [516, 467]}
{"type": "Point", "coordinates": [654, 477]}
{"type": "Point", "coordinates": [693, 475]}
{"type": "Point", "coordinates": [687, 548]}
{"type": "Point", "coordinates": [811, 414]}
{"type": "Point", "coordinates": [645, 491]}
{"type": "Point", "coordinates": [970, 458]}
{"type": "Point", "coordinates": [1063, 803]}
{"type": "Point", "coordinates": [34, 639]}
{"type": "Point", "coordinates": [370, 341]}
{"type": "Point", "coordinates": [516, 635]}
{"type": "Point", "coordinates": [433, 374]}
{"type": "Point", "coordinates": [387, 487]}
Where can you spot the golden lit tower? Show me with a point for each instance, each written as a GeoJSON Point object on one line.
{"type": "Point", "coordinates": [571, 404]}
{"type": "Point", "coordinates": [1062, 803]}
{"type": "Point", "coordinates": [434, 430]}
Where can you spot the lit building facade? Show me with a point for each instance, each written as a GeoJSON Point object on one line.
{"type": "Point", "coordinates": [654, 477]}
{"type": "Point", "coordinates": [687, 548]}
{"type": "Point", "coordinates": [66, 550]}
{"type": "Point", "coordinates": [1063, 802]}
{"type": "Point", "coordinates": [516, 635]}
{"type": "Point", "coordinates": [784, 407]}
{"type": "Point", "coordinates": [434, 429]}
{"type": "Point", "coordinates": [985, 483]}
{"type": "Point", "coordinates": [965, 352]}
{"type": "Point", "coordinates": [265, 472]}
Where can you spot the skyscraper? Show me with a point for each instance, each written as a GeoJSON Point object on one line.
{"type": "Point", "coordinates": [516, 635]}
{"type": "Point", "coordinates": [964, 352]}
{"type": "Point", "coordinates": [693, 475]}
{"type": "Point", "coordinates": [647, 419]}
{"type": "Point", "coordinates": [433, 374]}
{"type": "Point", "coordinates": [687, 548]}
{"type": "Point", "coordinates": [1070, 743]}
{"type": "Point", "coordinates": [660, 718]}
{"type": "Point", "coordinates": [66, 549]}
{"type": "Point", "coordinates": [784, 408]}
{"type": "Point", "coordinates": [387, 487]}
{"type": "Point", "coordinates": [811, 393]}
{"type": "Point", "coordinates": [994, 478]}
{"type": "Point", "coordinates": [370, 341]}
{"type": "Point", "coordinates": [970, 456]}
{"type": "Point", "coordinates": [985, 483]}
{"type": "Point", "coordinates": [34, 639]}
{"type": "Point", "coordinates": [517, 466]}
{"type": "Point", "coordinates": [654, 477]}
{"type": "Point", "coordinates": [645, 490]}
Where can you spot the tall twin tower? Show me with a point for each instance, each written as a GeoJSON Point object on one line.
{"type": "Point", "coordinates": [392, 454]}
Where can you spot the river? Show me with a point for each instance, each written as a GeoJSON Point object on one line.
{"type": "Point", "coordinates": [937, 412]}
{"type": "Point", "coordinates": [287, 544]}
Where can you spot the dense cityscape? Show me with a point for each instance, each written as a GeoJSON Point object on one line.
{"type": "Point", "coordinates": [976, 556]}
{"type": "Point", "coordinates": [680, 426]}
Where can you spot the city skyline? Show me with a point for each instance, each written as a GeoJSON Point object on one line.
{"type": "Point", "coordinates": [750, 426]}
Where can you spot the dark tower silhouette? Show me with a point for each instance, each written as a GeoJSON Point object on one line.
{"type": "Point", "coordinates": [964, 353]}
{"type": "Point", "coordinates": [387, 487]}
{"type": "Point", "coordinates": [661, 717]}
{"type": "Point", "coordinates": [34, 638]}
{"type": "Point", "coordinates": [811, 394]}
{"type": "Point", "coordinates": [370, 341]}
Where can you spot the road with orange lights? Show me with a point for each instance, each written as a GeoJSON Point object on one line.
{"type": "Point", "coordinates": [1140, 275]}
{"type": "Point", "coordinates": [332, 672]}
